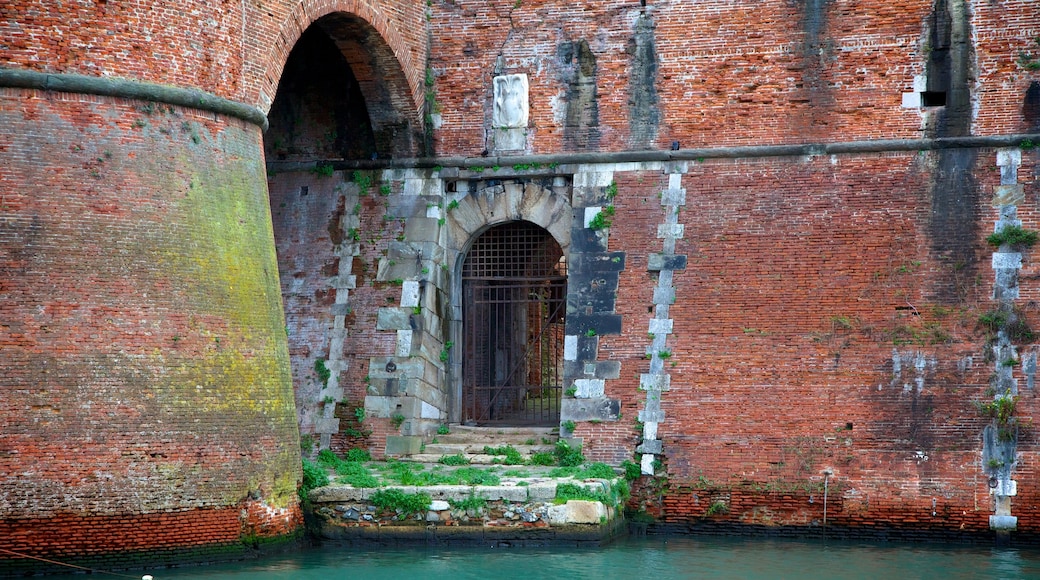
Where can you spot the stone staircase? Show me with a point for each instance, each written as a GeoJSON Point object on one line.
{"type": "Point", "coordinates": [471, 441]}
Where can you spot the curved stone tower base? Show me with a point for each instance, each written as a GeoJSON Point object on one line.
{"type": "Point", "coordinates": [147, 405]}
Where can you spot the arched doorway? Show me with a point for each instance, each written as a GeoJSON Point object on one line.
{"type": "Point", "coordinates": [514, 285]}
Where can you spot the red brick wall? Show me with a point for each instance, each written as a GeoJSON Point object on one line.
{"type": "Point", "coordinates": [729, 73]}
{"type": "Point", "coordinates": [805, 279]}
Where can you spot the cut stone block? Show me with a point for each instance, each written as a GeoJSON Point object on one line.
{"type": "Point", "coordinates": [403, 444]}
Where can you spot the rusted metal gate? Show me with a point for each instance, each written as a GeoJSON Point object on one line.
{"type": "Point", "coordinates": [514, 284]}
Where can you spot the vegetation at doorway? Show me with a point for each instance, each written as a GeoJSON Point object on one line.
{"type": "Point", "coordinates": [457, 459]}
{"type": "Point", "coordinates": [512, 456]}
{"type": "Point", "coordinates": [567, 455]}
{"type": "Point", "coordinates": [405, 473]}
{"type": "Point", "coordinates": [350, 470]}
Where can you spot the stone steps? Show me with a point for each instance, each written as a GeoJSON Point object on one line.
{"type": "Point", "coordinates": [471, 441]}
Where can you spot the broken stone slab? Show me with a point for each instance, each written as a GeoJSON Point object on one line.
{"type": "Point", "coordinates": [577, 511]}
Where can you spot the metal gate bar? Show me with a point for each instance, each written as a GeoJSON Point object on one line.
{"type": "Point", "coordinates": [514, 300]}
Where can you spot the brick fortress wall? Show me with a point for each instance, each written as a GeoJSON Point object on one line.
{"type": "Point", "coordinates": [825, 316]}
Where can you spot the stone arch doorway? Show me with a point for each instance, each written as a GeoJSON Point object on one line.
{"type": "Point", "coordinates": [514, 288]}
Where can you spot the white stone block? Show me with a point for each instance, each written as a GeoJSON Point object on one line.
{"type": "Point", "coordinates": [410, 293]}
{"type": "Point", "coordinates": [570, 347]}
{"type": "Point", "coordinates": [439, 505]}
{"type": "Point", "coordinates": [428, 411]}
{"type": "Point", "coordinates": [911, 101]}
{"type": "Point", "coordinates": [650, 431]}
{"type": "Point", "coordinates": [1009, 156]}
{"type": "Point", "coordinates": [589, 388]}
{"type": "Point", "coordinates": [646, 464]}
{"type": "Point", "coordinates": [920, 83]}
{"type": "Point", "coordinates": [1003, 260]}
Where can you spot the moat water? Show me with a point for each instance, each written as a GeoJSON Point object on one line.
{"type": "Point", "coordinates": [653, 558]}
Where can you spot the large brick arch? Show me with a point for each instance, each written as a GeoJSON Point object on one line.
{"type": "Point", "coordinates": [390, 79]}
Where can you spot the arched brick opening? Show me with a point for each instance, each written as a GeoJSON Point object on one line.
{"type": "Point", "coordinates": [343, 92]}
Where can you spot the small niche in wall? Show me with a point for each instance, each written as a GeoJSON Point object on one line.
{"type": "Point", "coordinates": [933, 99]}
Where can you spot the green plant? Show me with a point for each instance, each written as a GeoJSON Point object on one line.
{"type": "Point", "coordinates": [590, 332]}
{"type": "Point", "coordinates": [323, 169]}
{"type": "Point", "coordinates": [306, 444]}
{"type": "Point", "coordinates": [569, 491]}
{"type": "Point", "coordinates": [314, 476]}
{"type": "Point", "coordinates": [568, 426]}
{"type": "Point", "coordinates": [542, 458]}
{"type": "Point", "coordinates": [384, 190]}
{"type": "Point", "coordinates": [994, 463]}
{"type": "Point", "coordinates": [596, 471]}
{"type": "Point", "coordinates": [363, 181]}
{"type": "Point", "coordinates": [470, 504]}
{"type": "Point", "coordinates": [1012, 235]}
{"type": "Point", "coordinates": [324, 374]}
{"type": "Point", "coordinates": [571, 391]}
{"type": "Point", "coordinates": [457, 459]}
{"type": "Point", "coordinates": [356, 474]}
{"type": "Point", "coordinates": [568, 456]}
{"type": "Point", "coordinates": [632, 470]}
{"type": "Point", "coordinates": [1001, 408]}
{"type": "Point", "coordinates": [443, 430]}
{"type": "Point", "coordinates": [1027, 144]}
{"type": "Point", "coordinates": [602, 219]}
{"type": "Point", "coordinates": [717, 507]}
{"type": "Point", "coordinates": [359, 413]}
{"type": "Point", "coordinates": [358, 455]}
{"type": "Point", "coordinates": [513, 456]}
{"type": "Point", "coordinates": [446, 351]}
{"type": "Point", "coordinates": [395, 499]}
{"type": "Point", "coordinates": [611, 190]}
{"type": "Point", "coordinates": [397, 420]}
{"type": "Point", "coordinates": [354, 234]}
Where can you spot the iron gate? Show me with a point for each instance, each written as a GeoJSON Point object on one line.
{"type": "Point", "coordinates": [514, 289]}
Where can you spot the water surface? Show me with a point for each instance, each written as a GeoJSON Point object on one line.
{"type": "Point", "coordinates": [653, 558]}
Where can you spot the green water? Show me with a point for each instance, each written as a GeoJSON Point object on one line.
{"type": "Point", "coordinates": [654, 558]}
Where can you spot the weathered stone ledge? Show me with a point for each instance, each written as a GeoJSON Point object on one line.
{"type": "Point", "coordinates": [514, 509]}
